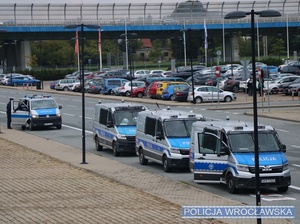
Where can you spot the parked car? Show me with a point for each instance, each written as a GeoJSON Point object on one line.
{"type": "Point", "coordinates": [110, 83]}
{"type": "Point", "coordinates": [273, 86]}
{"type": "Point", "coordinates": [21, 80]}
{"type": "Point", "coordinates": [141, 73]}
{"type": "Point", "coordinates": [161, 87]}
{"type": "Point", "coordinates": [168, 92]}
{"type": "Point", "coordinates": [125, 89]}
{"type": "Point", "coordinates": [53, 84]}
{"type": "Point", "coordinates": [232, 84]}
{"type": "Point", "coordinates": [139, 92]}
{"type": "Point", "coordinates": [8, 76]}
{"type": "Point", "coordinates": [209, 94]}
{"type": "Point", "coordinates": [95, 87]}
{"type": "Point", "coordinates": [290, 88]}
{"type": "Point", "coordinates": [181, 94]}
{"type": "Point", "coordinates": [290, 69]}
{"type": "Point", "coordinates": [151, 90]}
{"type": "Point", "coordinates": [66, 84]}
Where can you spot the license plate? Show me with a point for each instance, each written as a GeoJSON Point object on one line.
{"type": "Point", "coordinates": [47, 124]}
{"type": "Point", "coordinates": [265, 181]}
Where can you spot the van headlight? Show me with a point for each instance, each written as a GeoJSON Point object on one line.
{"type": "Point", "coordinates": [58, 114]}
{"type": "Point", "coordinates": [121, 136]}
{"type": "Point", "coordinates": [285, 166]}
{"type": "Point", "coordinates": [34, 116]}
{"type": "Point", "coordinates": [242, 168]}
{"type": "Point", "coordinates": [174, 150]}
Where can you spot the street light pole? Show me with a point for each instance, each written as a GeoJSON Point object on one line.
{"type": "Point", "coordinates": [238, 15]}
{"type": "Point", "coordinates": [82, 82]}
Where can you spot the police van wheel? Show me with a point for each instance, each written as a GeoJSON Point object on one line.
{"type": "Point", "coordinates": [30, 126]}
{"type": "Point", "coordinates": [23, 127]}
{"type": "Point", "coordinates": [58, 126]}
{"type": "Point", "coordinates": [167, 167]}
{"type": "Point", "coordinates": [231, 184]}
{"type": "Point", "coordinates": [282, 189]}
{"type": "Point", "coordinates": [115, 150]}
{"type": "Point", "coordinates": [98, 147]}
{"type": "Point", "coordinates": [142, 159]}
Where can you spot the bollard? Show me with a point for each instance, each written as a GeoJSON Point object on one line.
{"type": "Point", "coordinates": [292, 95]}
{"type": "Point", "coordinates": [298, 93]}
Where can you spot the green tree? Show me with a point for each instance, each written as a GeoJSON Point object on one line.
{"type": "Point", "coordinates": [156, 51]}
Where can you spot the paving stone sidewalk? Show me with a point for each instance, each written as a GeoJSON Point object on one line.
{"type": "Point", "coordinates": [44, 182]}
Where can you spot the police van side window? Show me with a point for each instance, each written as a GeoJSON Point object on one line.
{"type": "Point", "coordinates": [103, 116]}
{"type": "Point", "coordinates": [159, 128]}
{"type": "Point", "coordinates": [150, 126]}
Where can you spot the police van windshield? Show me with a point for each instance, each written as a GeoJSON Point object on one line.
{"type": "Point", "coordinates": [126, 118]}
{"type": "Point", "coordinates": [178, 128]}
{"type": "Point", "coordinates": [244, 142]}
{"type": "Point", "coordinates": [43, 104]}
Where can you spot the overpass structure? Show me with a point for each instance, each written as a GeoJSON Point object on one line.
{"type": "Point", "coordinates": [25, 22]}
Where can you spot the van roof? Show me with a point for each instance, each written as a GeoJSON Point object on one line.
{"type": "Point", "coordinates": [166, 114]}
{"type": "Point", "coordinates": [120, 106]}
{"type": "Point", "coordinates": [230, 125]}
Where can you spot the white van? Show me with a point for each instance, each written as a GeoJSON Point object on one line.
{"type": "Point", "coordinates": [163, 136]}
{"type": "Point", "coordinates": [36, 111]}
{"type": "Point", "coordinates": [114, 126]}
{"type": "Point", "coordinates": [223, 152]}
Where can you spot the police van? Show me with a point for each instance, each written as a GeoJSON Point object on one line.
{"type": "Point", "coordinates": [114, 126]}
{"type": "Point", "coordinates": [36, 111]}
{"type": "Point", "coordinates": [163, 136]}
{"type": "Point", "coordinates": [223, 152]}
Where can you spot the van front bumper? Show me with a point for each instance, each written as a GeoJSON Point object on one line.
{"type": "Point", "coordinates": [273, 181]}
{"type": "Point", "coordinates": [124, 145]}
{"type": "Point", "coordinates": [46, 122]}
{"type": "Point", "coordinates": [184, 162]}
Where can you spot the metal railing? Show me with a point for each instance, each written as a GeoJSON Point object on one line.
{"type": "Point", "coordinates": [191, 12]}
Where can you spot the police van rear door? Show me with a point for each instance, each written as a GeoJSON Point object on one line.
{"type": "Point", "coordinates": [211, 159]}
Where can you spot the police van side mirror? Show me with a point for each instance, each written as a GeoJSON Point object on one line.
{"type": "Point", "coordinates": [283, 147]}
{"type": "Point", "coordinates": [109, 124]}
{"type": "Point", "coordinates": [59, 107]}
{"type": "Point", "coordinates": [160, 135]}
{"type": "Point", "coordinates": [224, 151]}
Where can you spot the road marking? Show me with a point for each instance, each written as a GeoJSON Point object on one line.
{"type": "Point", "coordinates": [296, 165]}
{"type": "Point", "coordinates": [77, 129]}
{"type": "Point", "coordinates": [86, 117]}
{"type": "Point", "coordinates": [71, 106]}
{"type": "Point", "coordinates": [294, 187]}
{"type": "Point", "coordinates": [73, 115]}
{"type": "Point", "coordinates": [296, 146]}
{"type": "Point", "coordinates": [282, 130]}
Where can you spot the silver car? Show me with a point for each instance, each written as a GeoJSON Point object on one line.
{"type": "Point", "coordinates": [209, 94]}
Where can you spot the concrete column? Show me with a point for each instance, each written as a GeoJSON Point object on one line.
{"type": "Point", "coordinates": [24, 54]}
{"type": "Point", "coordinates": [232, 48]}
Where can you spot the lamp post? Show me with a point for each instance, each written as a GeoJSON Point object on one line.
{"type": "Point", "coordinates": [239, 15]}
{"type": "Point", "coordinates": [72, 26]}
{"type": "Point", "coordinates": [126, 35]}
{"type": "Point", "coordinates": [191, 59]}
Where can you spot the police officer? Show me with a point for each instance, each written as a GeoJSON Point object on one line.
{"type": "Point", "coordinates": [8, 113]}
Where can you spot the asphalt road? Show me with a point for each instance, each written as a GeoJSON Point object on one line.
{"type": "Point", "coordinates": [70, 134]}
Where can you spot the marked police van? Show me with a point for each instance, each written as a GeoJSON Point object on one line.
{"type": "Point", "coordinates": [223, 152]}
{"type": "Point", "coordinates": [36, 111]}
{"type": "Point", "coordinates": [114, 126]}
{"type": "Point", "coordinates": [163, 136]}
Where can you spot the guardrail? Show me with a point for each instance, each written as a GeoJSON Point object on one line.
{"type": "Point", "coordinates": [190, 12]}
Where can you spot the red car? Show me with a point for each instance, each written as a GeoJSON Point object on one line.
{"type": "Point", "coordinates": [151, 90]}
{"type": "Point", "coordinates": [139, 92]}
